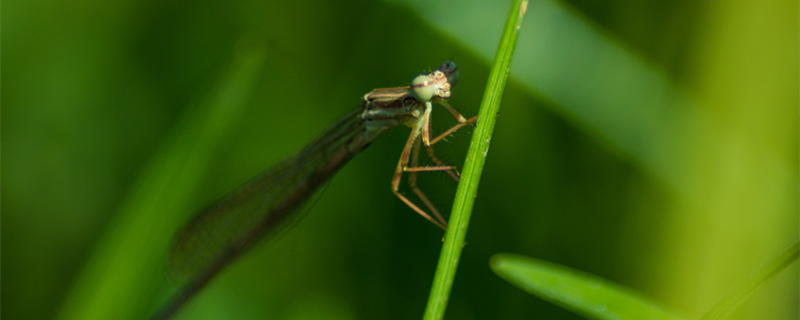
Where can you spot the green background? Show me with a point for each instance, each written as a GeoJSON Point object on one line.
{"type": "Point", "coordinates": [651, 143]}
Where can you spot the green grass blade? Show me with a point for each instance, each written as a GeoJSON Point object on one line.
{"type": "Point", "coordinates": [582, 293]}
{"type": "Point", "coordinates": [473, 166]}
{"type": "Point", "coordinates": [126, 272]}
{"type": "Point", "coordinates": [730, 302]}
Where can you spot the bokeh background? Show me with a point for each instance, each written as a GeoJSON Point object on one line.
{"type": "Point", "coordinates": [653, 143]}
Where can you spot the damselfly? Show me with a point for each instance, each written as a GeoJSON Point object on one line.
{"type": "Point", "coordinates": [223, 231]}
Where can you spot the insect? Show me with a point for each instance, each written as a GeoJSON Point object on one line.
{"type": "Point", "coordinates": [223, 231]}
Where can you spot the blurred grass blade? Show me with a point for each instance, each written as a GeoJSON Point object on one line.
{"type": "Point", "coordinates": [582, 293]}
{"type": "Point", "coordinates": [127, 271]}
{"type": "Point", "coordinates": [473, 166]}
{"type": "Point", "coordinates": [730, 302]}
{"type": "Point", "coordinates": [579, 68]}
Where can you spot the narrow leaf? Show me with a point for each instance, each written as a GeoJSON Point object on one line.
{"type": "Point", "coordinates": [585, 294]}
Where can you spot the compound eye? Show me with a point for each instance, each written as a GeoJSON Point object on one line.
{"type": "Point", "coordinates": [450, 69]}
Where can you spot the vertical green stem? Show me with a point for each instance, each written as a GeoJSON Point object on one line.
{"type": "Point", "coordinates": [473, 166]}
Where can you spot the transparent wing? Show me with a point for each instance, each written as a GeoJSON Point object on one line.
{"type": "Point", "coordinates": [232, 224]}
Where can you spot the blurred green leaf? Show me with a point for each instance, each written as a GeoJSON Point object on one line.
{"type": "Point", "coordinates": [591, 78]}
{"type": "Point", "coordinates": [119, 280]}
{"type": "Point", "coordinates": [729, 303]}
{"type": "Point", "coordinates": [582, 293]}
